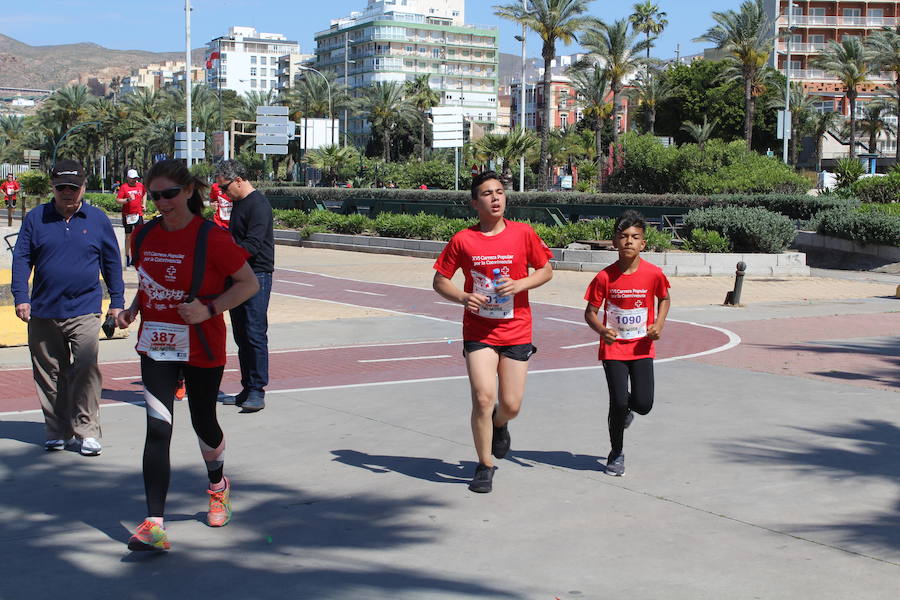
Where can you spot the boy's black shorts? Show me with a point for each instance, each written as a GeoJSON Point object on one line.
{"type": "Point", "coordinates": [520, 352]}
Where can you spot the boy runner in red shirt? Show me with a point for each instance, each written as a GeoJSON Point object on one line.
{"type": "Point", "coordinates": [10, 188]}
{"type": "Point", "coordinates": [132, 197]}
{"type": "Point", "coordinates": [495, 256]}
{"type": "Point", "coordinates": [626, 291]}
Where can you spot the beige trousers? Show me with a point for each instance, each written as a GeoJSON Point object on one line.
{"type": "Point", "coordinates": [66, 374]}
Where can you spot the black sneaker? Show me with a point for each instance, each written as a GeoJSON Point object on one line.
{"type": "Point", "coordinates": [482, 483]}
{"type": "Point", "coordinates": [615, 464]}
{"type": "Point", "coordinates": [629, 417]}
{"type": "Point", "coordinates": [500, 441]}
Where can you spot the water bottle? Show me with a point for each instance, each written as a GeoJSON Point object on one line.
{"type": "Point", "coordinates": [502, 301]}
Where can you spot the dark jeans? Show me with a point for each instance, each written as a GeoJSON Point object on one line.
{"type": "Point", "coordinates": [250, 325]}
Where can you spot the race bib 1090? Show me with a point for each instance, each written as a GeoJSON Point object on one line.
{"type": "Point", "coordinates": [629, 323]}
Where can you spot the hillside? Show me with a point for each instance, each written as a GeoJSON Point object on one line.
{"type": "Point", "coordinates": [50, 67]}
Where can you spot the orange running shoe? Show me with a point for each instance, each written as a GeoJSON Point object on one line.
{"type": "Point", "coordinates": [219, 506]}
{"type": "Point", "coordinates": [180, 391]}
{"type": "Point", "coordinates": [149, 536]}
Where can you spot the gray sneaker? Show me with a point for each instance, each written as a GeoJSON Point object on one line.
{"type": "Point", "coordinates": [482, 483]}
{"type": "Point", "coordinates": [615, 464]}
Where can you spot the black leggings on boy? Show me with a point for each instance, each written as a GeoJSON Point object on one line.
{"type": "Point", "coordinates": [160, 381]}
{"type": "Point", "coordinates": [639, 399]}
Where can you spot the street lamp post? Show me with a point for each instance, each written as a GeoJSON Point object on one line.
{"type": "Point", "coordinates": [787, 84]}
{"type": "Point", "coordinates": [328, 87]}
{"type": "Point", "coordinates": [187, 78]}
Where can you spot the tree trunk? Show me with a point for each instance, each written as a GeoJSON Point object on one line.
{"type": "Point", "coordinates": [851, 96]}
{"type": "Point", "coordinates": [544, 180]}
{"type": "Point", "coordinates": [897, 132]}
{"type": "Point", "coordinates": [615, 115]}
{"type": "Point", "coordinates": [792, 144]}
{"type": "Point", "coordinates": [386, 153]}
{"type": "Point", "coordinates": [653, 121]}
{"type": "Point", "coordinates": [598, 143]}
{"type": "Point", "coordinates": [424, 125]}
{"type": "Point", "coordinates": [748, 108]}
{"type": "Point", "coordinates": [819, 153]}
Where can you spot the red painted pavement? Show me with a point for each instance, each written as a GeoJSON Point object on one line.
{"type": "Point", "coordinates": [325, 367]}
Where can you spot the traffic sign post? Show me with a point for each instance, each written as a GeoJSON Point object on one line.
{"type": "Point", "coordinates": [195, 140]}
{"type": "Point", "coordinates": [273, 130]}
{"type": "Point", "coordinates": [447, 131]}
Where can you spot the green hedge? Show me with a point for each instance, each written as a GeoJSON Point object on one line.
{"type": "Point", "coordinates": [749, 229]}
{"type": "Point", "coordinates": [862, 227]}
{"type": "Point", "coordinates": [701, 240]}
{"type": "Point", "coordinates": [878, 189]}
{"type": "Point", "coordinates": [432, 227]}
{"type": "Point", "coordinates": [794, 206]}
{"type": "Point", "coordinates": [105, 202]}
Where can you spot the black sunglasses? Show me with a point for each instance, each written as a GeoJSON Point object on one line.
{"type": "Point", "coordinates": [167, 194]}
{"type": "Point", "coordinates": [225, 187]}
{"type": "Point", "coordinates": [61, 187]}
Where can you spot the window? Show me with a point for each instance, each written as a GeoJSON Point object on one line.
{"type": "Point", "coordinates": [817, 38]}
{"type": "Point", "coordinates": [252, 60]}
{"type": "Point", "coordinates": [262, 60]}
{"type": "Point", "coordinates": [817, 14]}
{"type": "Point", "coordinates": [849, 36]}
{"type": "Point", "coordinates": [253, 71]}
{"type": "Point", "coordinates": [262, 83]}
{"type": "Point", "coordinates": [825, 106]}
{"type": "Point", "coordinates": [564, 120]}
{"type": "Point", "coordinates": [852, 12]}
{"type": "Point", "coordinates": [410, 48]}
{"type": "Point", "coordinates": [253, 83]}
{"type": "Point", "coordinates": [435, 53]}
{"type": "Point", "coordinates": [878, 13]}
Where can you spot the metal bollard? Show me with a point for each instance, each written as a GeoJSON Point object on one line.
{"type": "Point", "coordinates": [733, 298]}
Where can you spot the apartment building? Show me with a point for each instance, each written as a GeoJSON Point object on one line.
{"type": "Point", "coordinates": [398, 40]}
{"type": "Point", "coordinates": [815, 24]}
{"type": "Point", "coordinates": [159, 76]}
{"type": "Point", "coordinates": [289, 67]}
{"type": "Point", "coordinates": [246, 60]}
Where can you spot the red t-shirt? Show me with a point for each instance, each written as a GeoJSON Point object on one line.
{"type": "Point", "coordinates": [134, 194]}
{"type": "Point", "coordinates": [165, 270]}
{"type": "Point", "coordinates": [628, 307]}
{"type": "Point", "coordinates": [222, 215]}
{"type": "Point", "coordinates": [10, 188]}
{"type": "Point", "coordinates": [513, 251]}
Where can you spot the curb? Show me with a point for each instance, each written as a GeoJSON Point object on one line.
{"type": "Point", "coordinates": [674, 264]}
{"type": "Point", "coordinates": [813, 240]}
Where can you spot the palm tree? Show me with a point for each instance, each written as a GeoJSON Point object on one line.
{"type": "Point", "coordinates": [700, 133]}
{"type": "Point", "coordinates": [591, 83]}
{"type": "Point", "coordinates": [821, 124]}
{"type": "Point", "coordinates": [747, 37]}
{"type": "Point", "coordinates": [849, 61]}
{"type": "Point", "coordinates": [619, 51]}
{"type": "Point", "coordinates": [506, 149]}
{"type": "Point", "coordinates": [12, 131]}
{"type": "Point", "coordinates": [554, 21]}
{"type": "Point", "coordinates": [387, 109]}
{"type": "Point", "coordinates": [419, 93]}
{"type": "Point", "coordinates": [874, 122]}
{"type": "Point", "coordinates": [332, 158]}
{"type": "Point", "coordinates": [69, 105]}
{"type": "Point", "coordinates": [649, 92]}
{"type": "Point", "coordinates": [885, 48]}
{"type": "Point", "coordinates": [801, 105]}
{"type": "Point", "coordinates": [648, 19]}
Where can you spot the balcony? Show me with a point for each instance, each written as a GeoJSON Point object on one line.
{"type": "Point", "coordinates": [801, 48]}
{"type": "Point", "coordinates": [839, 21]}
{"type": "Point", "coordinates": [820, 75]}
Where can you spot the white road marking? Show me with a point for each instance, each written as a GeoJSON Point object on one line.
{"type": "Point", "coordinates": [294, 282]}
{"type": "Point", "coordinates": [449, 304]}
{"type": "Point", "coordinates": [580, 345]}
{"type": "Point", "coordinates": [366, 293]}
{"type": "Point", "coordinates": [566, 321]}
{"type": "Point", "coordinates": [378, 360]}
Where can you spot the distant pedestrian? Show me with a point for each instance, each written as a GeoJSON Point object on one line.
{"type": "Point", "coordinates": [133, 199]}
{"type": "Point", "coordinates": [183, 332]}
{"type": "Point", "coordinates": [221, 205]}
{"type": "Point", "coordinates": [67, 244]}
{"type": "Point", "coordinates": [10, 189]}
{"type": "Point", "coordinates": [495, 256]}
{"type": "Point", "coordinates": [251, 227]}
{"type": "Point", "coordinates": [627, 291]}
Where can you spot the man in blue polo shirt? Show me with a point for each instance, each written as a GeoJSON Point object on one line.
{"type": "Point", "coordinates": [67, 243]}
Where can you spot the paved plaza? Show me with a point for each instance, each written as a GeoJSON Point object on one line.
{"type": "Point", "coordinates": [767, 468]}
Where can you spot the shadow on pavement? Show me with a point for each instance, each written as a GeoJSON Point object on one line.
{"type": "Point", "coordinates": [428, 469]}
{"type": "Point", "coordinates": [873, 451]}
{"type": "Point", "coordinates": [282, 543]}
{"type": "Point", "coordinates": [559, 458]}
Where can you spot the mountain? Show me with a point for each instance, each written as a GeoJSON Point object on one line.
{"type": "Point", "coordinates": [50, 67]}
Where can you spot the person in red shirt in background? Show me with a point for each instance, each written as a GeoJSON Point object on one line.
{"type": "Point", "coordinates": [495, 256]}
{"type": "Point", "coordinates": [626, 291]}
{"type": "Point", "coordinates": [10, 188]}
{"type": "Point", "coordinates": [133, 198]}
{"type": "Point", "coordinates": [221, 204]}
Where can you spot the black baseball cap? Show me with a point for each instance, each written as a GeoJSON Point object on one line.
{"type": "Point", "coordinates": [67, 172]}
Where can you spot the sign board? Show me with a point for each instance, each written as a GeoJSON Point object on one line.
{"type": "Point", "coordinates": [220, 146]}
{"type": "Point", "coordinates": [280, 129]}
{"type": "Point", "coordinates": [195, 146]}
{"type": "Point", "coordinates": [197, 141]}
{"type": "Point", "coordinates": [281, 111]}
{"type": "Point", "coordinates": [197, 136]}
{"type": "Point", "coordinates": [273, 129]}
{"type": "Point", "coordinates": [783, 128]}
{"type": "Point", "coordinates": [447, 127]}
{"type": "Point", "coordinates": [313, 134]}
{"type": "Point", "coordinates": [272, 139]}
{"type": "Point", "coordinates": [271, 149]}
{"type": "Point", "coordinates": [565, 182]}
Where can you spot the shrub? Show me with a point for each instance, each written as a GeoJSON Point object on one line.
{"type": "Point", "coordinates": [878, 189]}
{"type": "Point", "coordinates": [862, 227]}
{"type": "Point", "coordinates": [292, 219]}
{"type": "Point", "coordinates": [35, 183]}
{"type": "Point", "coordinates": [847, 171]}
{"type": "Point", "coordinates": [105, 202]}
{"type": "Point", "coordinates": [886, 209]}
{"type": "Point", "coordinates": [702, 240]}
{"type": "Point", "coordinates": [445, 230]}
{"type": "Point", "coordinates": [749, 229]}
{"type": "Point", "coordinates": [355, 224]}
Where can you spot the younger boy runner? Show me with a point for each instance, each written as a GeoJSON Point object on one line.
{"type": "Point", "coordinates": [497, 318]}
{"type": "Point", "coordinates": [626, 291]}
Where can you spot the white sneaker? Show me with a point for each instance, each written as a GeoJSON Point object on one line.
{"type": "Point", "coordinates": [52, 445]}
{"type": "Point", "coordinates": [91, 447]}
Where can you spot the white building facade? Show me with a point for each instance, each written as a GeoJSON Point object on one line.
{"type": "Point", "coordinates": [246, 60]}
{"type": "Point", "coordinates": [398, 40]}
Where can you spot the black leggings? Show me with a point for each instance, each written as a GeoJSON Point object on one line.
{"type": "Point", "coordinates": [160, 381]}
{"type": "Point", "coordinates": [640, 399]}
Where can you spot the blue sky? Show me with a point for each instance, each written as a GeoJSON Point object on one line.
{"type": "Point", "coordinates": [159, 25]}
